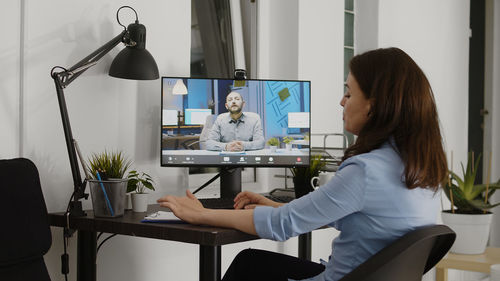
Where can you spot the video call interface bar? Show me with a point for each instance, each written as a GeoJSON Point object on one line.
{"type": "Point", "coordinates": [244, 160]}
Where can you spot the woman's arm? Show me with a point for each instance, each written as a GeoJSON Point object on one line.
{"type": "Point", "coordinates": [190, 209]}
{"type": "Point", "coordinates": [250, 200]}
{"type": "Point", "coordinates": [241, 220]}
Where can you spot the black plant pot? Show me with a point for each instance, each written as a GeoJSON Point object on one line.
{"type": "Point", "coordinates": [302, 186]}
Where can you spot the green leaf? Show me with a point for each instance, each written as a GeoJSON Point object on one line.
{"type": "Point", "coordinates": [457, 179]}
{"type": "Point", "coordinates": [479, 204]}
{"type": "Point", "coordinates": [138, 181]}
{"type": "Point", "coordinates": [480, 188]}
{"type": "Point", "coordinates": [131, 185]}
{"type": "Point", "coordinates": [149, 185]}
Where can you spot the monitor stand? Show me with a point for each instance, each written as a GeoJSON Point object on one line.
{"type": "Point", "coordinates": [230, 182]}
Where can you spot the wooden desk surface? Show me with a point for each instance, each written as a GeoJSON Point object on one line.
{"type": "Point", "coordinates": [130, 224]}
{"type": "Point", "coordinates": [478, 263]}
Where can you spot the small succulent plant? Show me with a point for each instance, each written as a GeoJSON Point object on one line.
{"type": "Point", "coordinates": [273, 142]}
{"type": "Point", "coordinates": [467, 197]}
{"type": "Point", "coordinates": [287, 139]}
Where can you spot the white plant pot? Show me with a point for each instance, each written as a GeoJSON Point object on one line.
{"type": "Point", "coordinates": [472, 231]}
{"type": "Point", "coordinates": [128, 201]}
{"type": "Point", "coordinates": [288, 146]}
{"type": "Point", "coordinates": [139, 202]}
{"type": "Point", "coordinates": [272, 148]}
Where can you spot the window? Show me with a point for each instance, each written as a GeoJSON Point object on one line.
{"type": "Point", "coordinates": [348, 46]}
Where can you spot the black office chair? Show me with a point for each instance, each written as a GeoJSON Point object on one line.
{"type": "Point", "coordinates": [408, 258]}
{"type": "Point", "coordinates": [25, 236]}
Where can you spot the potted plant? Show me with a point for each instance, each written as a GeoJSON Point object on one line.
{"type": "Point", "coordinates": [107, 183]}
{"type": "Point", "coordinates": [302, 175]}
{"type": "Point", "coordinates": [288, 142]}
{"type": "Point", "coordinates": [273, 144]}
{"type": "Point", "coordinates": [138, 183]}
{"type": "Point", "coordinates": [471, 219]}
{"type": "Point", "coordinates": [307, 136]}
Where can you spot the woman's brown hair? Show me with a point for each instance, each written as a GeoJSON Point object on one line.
{"type": "Point", "coordinates": [403, 108]}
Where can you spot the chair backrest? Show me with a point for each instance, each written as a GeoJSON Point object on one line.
{"type": "Point", "coordinates": [408, 258]}
{"type": "Point", "coordinates": [209, 122]}
{"type": "Point", "coordinates": [25, 235]}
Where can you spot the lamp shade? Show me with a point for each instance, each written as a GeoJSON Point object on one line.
{"type": "Point", "coordinates": [132, 63]}
{"type": "Point", "coordinates": [179, 88]}
{"type": "Point", "coordinates": [135, 62]}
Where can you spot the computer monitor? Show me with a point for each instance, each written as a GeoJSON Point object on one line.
{"type": "Point", "coordinates": [205, 123]}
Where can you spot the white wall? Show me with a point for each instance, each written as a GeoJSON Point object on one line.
{"type": "Point", "coordinates": [435, 35]}
{"type": "Point", "coordinates": [320, 59]}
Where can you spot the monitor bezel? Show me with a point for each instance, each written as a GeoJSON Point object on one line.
{"type": "Point", "coordinates": [305, 164]}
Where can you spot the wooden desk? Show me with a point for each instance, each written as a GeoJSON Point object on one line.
{"type": "Point", "coordinates": [209, 238]}
{"type": "Point", "coordinates": [477, 263]}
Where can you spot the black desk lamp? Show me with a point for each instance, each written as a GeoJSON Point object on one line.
{"type": "Point", "coordinates": [133, 62]}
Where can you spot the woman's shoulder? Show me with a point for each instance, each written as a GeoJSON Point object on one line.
{"type": "Point", "coordinates": [386, 154]}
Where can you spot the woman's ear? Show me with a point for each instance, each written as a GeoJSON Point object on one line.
{"type": "Point", "coordinates": [370, 106]}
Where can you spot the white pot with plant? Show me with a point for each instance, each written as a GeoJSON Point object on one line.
{"type": "Point", "coordinates": [471, 219]}
{"type": "Point", "coordinates": [273, 144]}
{"type": "Point", "coordinates": [138, 183]}
{"type": "Point", "coordinates": [288, 142]}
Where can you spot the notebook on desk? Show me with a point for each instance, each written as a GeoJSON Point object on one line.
{"type": "Point", "coordinates": [162, 217]}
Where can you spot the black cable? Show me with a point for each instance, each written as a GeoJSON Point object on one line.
{"type": "Point", "coordinates": [207, 183]}
{"type": "Point", "coordinates": [65, 257]}
{"type": "Point", "coordinates": [118, 18]}
{"type": "Point", "coordinates": [107, 238]}
{"type": "Point", "coordinates": [99, 235]}
{"type": "Point", "coordinates": [66, 235]}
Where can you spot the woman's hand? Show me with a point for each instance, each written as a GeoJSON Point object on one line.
{"type": "Point", "coordinates": [250, 200]}
{"type": "Point", "coordinates": [187, 208]}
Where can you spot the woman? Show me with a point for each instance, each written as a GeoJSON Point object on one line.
{"type": "Point", "coordinates": [385, 187]}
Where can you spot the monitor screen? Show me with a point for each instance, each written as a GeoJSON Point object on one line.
{"type": "Point", "coordinates": [224, 122]}
{"type": "Point", "coordinates": [196, 116]}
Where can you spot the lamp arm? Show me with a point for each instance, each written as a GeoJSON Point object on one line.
{"type": "Point", "coordinates": [67, 76]}
{"type": "Point", "coordinates": [61, 80]}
